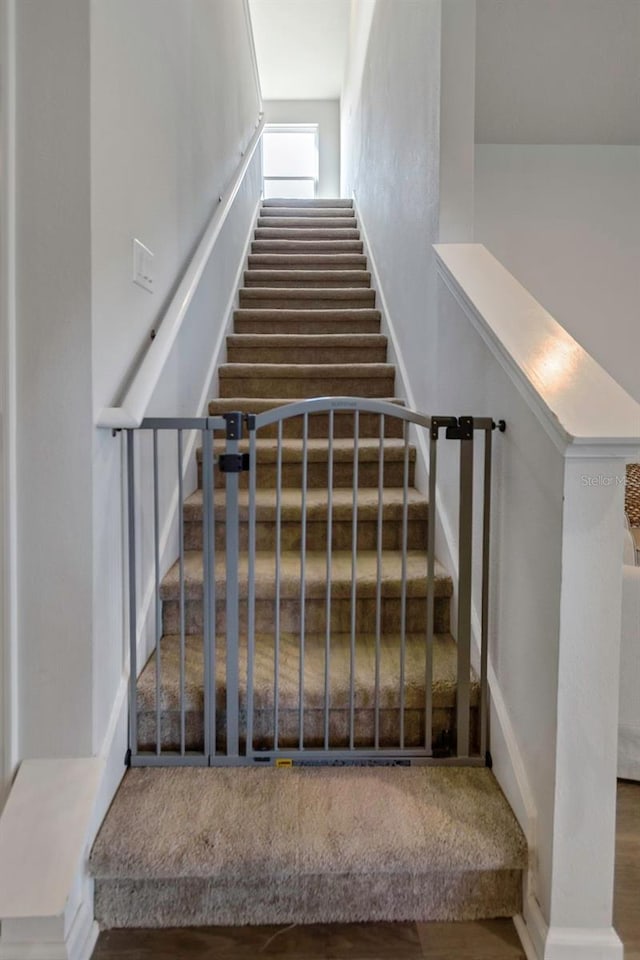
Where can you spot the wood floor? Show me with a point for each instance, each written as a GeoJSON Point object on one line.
{"type": "Point", "coordinates": [494, 940]}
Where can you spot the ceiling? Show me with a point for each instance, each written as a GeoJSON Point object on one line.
{"type": "Point", "coordinates": [301, 47]}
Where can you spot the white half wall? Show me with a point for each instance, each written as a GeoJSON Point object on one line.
{"type": "Point", "coordinates": [565, 221]}
{"type": "Point", "coordinates": [326, 113]}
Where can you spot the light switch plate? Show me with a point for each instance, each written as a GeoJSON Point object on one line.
{"type": "Point", "coordinates": [142, 266]}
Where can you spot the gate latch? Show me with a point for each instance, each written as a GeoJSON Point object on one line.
{"type": "Point", "coordinates": [233, 462]}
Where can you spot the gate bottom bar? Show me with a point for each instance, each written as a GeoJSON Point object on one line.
{"type": "Point", "coordinates": [144, 759]}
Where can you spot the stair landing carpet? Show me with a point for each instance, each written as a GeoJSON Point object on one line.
{"type": "Point", "coordinates": [186, 847]}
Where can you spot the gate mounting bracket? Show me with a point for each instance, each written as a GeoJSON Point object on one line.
{"type": "Point", "coordinates": [234, 462]}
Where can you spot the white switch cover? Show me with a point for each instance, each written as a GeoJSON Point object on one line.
{"type": "Point", "coordinates": [142, 266]}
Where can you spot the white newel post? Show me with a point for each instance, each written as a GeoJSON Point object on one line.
{"type": "Point", "coordinates": [587, 710]}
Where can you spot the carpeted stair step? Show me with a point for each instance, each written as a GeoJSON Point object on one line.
{"type": "Point", "coordinates": [318, 423]}
{"type": "Point", "coordinates": [211, 847]}
{"type": "Point", "coordinates": [306, 380]}
{"type": "Point", "coordinates": [444, 680]}
{"type": "Point", "coordinates": [307, 261]}
{"type": "Point", "coordinates": [311, 298]}
{"type": "Point", "coordinates": [307, 212]}
{"type": "Point", "coordinates": [308, 222]}
{"type": "Point", "coordinates": [393, 463]}
{"type": "Point", "coordinates": [315, 586]}
{"type": "Point", "coordinates": [307, 246]}
{"type": "Point", "coordinates": [306, 348]}
{"type": "Point", "coordinates": [307, 278]}
{"type": "Point", "coordinates": [391, 512]}
{"type": "Point", "coordinates": [309, 203]}
{"type": "Point", "coordinates": [306, 233]}
{"type": "Point", "coordinates": [306, 321]}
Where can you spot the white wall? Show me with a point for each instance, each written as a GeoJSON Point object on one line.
{"type": "Point", "coordinates": [173, 105]}
{"type": "Point", "coordinates": [457, 120]}
{"type": "Point", "coordinates": [565, 220]}
{"type": "Point", "coordinates": [390, 130]}
{"type": "Point", "coordinates": [558, 72]}
{"type": "Point", "coordinates": [131, 121]}
{"type": "Point", "coordinates": [53, 369]}
{"type": "Point", "coordinates": [326, 113]}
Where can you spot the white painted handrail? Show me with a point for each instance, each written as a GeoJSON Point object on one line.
{"type": "Point", "coordinates": [577, 401]}
{"type": "Point", "coordinates": [131, 409]}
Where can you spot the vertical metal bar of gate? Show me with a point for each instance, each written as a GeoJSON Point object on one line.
{"type": "Point", "coordinates": [133, 632]}
{"type": "Point", "coordinates": [182, 596]}
{"type": "Point", "coordinates": [379, 531]}
{"type": "Point", "coordinates": [465, 536]}
{"type": "Point", "coordinates": [484, 641]}
{"type": "Point", "coordinates": [303, 578]}
{"type": "Point", "coordinates": [354, 579]}
{"type": "Point", "coordinates": [158, 601]}
{"type": "Point", "coordinates": [431, 589]}
{"type": "Point", "coordinates": [327, 638]}
{"type": "Point", "coordinates": [403, 579]}
{"type": "Point", "coordinates": [234, 432]}
{"type": "Point", "coordinates": [251, 582]}
{"type": "Point", "coordinates": [208, 594]}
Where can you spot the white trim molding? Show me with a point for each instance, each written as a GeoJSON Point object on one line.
{"type": "Point", "coordinates": [46, 896]}
{"type": "Point", "coordinates": [8, 425]}
{"type": "Point", "coordinates": [577, 402]}
{"type": "Point", "coordinates": [542, 942]}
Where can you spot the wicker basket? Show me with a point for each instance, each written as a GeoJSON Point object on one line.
{"type": "Point", "coordinates": [632, 494]}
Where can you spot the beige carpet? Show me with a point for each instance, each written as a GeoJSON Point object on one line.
{"type": "Point", "coordinates": [244, 846]}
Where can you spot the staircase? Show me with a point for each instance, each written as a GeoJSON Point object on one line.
{"type": "Point", "coordinates": [217, 846]}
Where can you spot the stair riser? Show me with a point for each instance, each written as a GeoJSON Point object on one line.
{"type": "Point", "coordinates": [444, 721]}
{"type": "Point", "coordinates": [308, 325]}
{"type": "Point", "coordinates": [291, 534]}
{"type": "Point", "coordinates": [307, 354]}
{"type": "Point", "coordinates": [307, 262]}
{"type": "Point", "coordinates": [306, 246]}
{"type": "Point", "coordinates": [279, 300]}
{"type": "Point", "coordinates": [306, 387]}
{"type": "Point", "coordinates": [315, 615]}
{"type": "Point", "coordinates": [331, 213]}
{"type": "Point", "coordinates": [309, 203]}
{"type": "Point", "coordinates": [343, 278]}
{"type": "Point", "coordinates": [307, 233]}
{"type": "Point", "coordinates": [308, 223]}
{"type": "Point", "coordinates": [343, 426]}
{"type": "Point", "coordinates": [317, 472]}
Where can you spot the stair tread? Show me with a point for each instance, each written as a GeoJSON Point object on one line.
{"type": "Point", "coordinates": [260, 404]}
{"type": "Point", "coordinates": [277, 261]}
{"type": "Point", "coordinates": [312, 276]}
{"type": "Point", "coordinates": [316, 574]}
{"type": "Point", "coordinates": [307, 233]}
{"type": "Point", "coordinates": [291, 503]}
{"type": "Point", "coordinates": [318, 449]}
{"type": "Point", "coordinates": [299, 211]}
{"type": "Point", "coordinates": [308, 202]}
{"type": "Point", "coordinates": [307, 245]}
{"type": "Point", "coordinates": [308, 222]}
{"type": "Point", "coordinates": [335, 314]}
{"type": "Point", "coordinates": [444, 673]}
{"type": "Point", "coordinates": [382, 821]}
{"type": "Point", "coordinates": [308, 370]}
{"type": "Point", "coordinates": [287, 340]}
{"type": "Point", "coordinates": [308, 293]}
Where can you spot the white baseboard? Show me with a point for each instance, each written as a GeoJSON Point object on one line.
{"type": "Point", "coordinates": [542, 942]}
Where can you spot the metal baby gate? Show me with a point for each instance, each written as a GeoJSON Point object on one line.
{"type": "Point", "coordinates": [305, 615]}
